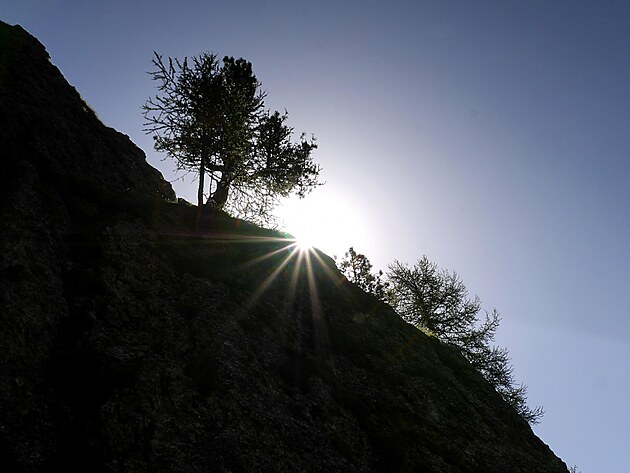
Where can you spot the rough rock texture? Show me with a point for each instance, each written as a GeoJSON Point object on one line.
{"type": "Point", "coordinates": [133, 338]}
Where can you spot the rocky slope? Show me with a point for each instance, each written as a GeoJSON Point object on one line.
{"type": "Point", "coordinates": [133, 338]}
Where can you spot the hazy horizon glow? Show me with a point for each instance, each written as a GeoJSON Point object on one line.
{"type": "Point", "coordinates": [492, 136]}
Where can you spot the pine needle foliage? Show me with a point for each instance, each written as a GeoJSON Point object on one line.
{"type": "Point", "coordinates": [358, 270]}
{"type": "Point", "coordinates": [210, 117]}
{"type": "Point", "coordinates": [437, 301]}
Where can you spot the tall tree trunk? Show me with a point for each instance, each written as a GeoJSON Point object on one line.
{"type": "Point", "coordinates": [220, 195]}
{"type": "Point", "coordinates": [202, 174]}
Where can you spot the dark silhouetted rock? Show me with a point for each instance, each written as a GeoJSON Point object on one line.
{"type": "Point", "coordinates": [135, 338]}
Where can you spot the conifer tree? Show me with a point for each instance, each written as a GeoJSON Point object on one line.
{"type": "Point", "coordinates": [437, 302]}
{"type": "Point", "coordinates": [358, 269]}
{"type": "Point", "coordinates": [210, 118]}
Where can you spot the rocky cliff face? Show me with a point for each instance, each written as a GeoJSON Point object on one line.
{"type": "Point", "coordinates": [134, 339]}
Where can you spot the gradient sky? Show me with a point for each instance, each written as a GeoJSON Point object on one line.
{"type": "Point", "coordinates": [494, 137]}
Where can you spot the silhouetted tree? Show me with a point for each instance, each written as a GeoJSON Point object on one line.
{"type": "Point", "coordinates": [210, 118]}
{"type": "Point", "coordinates": [358, 269]}
{"type": "Point", "coordinates": [437, 302]}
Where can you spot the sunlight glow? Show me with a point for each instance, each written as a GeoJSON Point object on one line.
{"type": "Point", "coordinates": [304, 244]}
{"type": "Point", "coordinates": [326, 220]}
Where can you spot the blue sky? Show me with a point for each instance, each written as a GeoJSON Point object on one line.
{"type": "Point", "coordinates": [494, 137]}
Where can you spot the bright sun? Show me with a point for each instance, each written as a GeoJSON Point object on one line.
{"type": "Point", "coordinates": [304, 243]}
{"type": "Point", "coordinates": [325, 221]}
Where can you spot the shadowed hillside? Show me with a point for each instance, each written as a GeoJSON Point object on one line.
{"type": "Point", "coordinates": [133, 339]}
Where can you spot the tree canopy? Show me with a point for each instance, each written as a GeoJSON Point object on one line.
{"type": "Point", "coordinates": [437, 302]}
{"type": "Point", "coordinates": [358, 269]}
{"type": "Point", "coordinates": [211, 118]}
